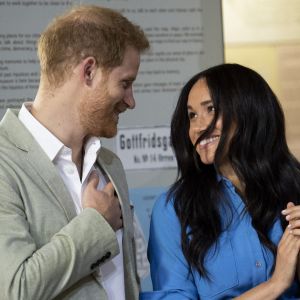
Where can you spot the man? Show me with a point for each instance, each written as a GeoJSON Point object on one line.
{"type": "Point", "coordinates": [66, 226]}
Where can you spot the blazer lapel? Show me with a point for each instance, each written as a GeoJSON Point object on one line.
{"type": "Point", "coordinates": [112, 167]}
{"type": "Point", "coordinates": [48, 172]}
{"type": "Point", "coordinates": [39, 161]}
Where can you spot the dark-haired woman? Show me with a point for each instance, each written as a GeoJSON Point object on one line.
{"type": "Point", "coordinates": [221, 231]}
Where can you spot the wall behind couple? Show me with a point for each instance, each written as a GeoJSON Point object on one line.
{"type": "Point", "coordinates": [265, 36]}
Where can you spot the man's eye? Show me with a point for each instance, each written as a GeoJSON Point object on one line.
{"type": "Point", "coordinates": [126, 84]}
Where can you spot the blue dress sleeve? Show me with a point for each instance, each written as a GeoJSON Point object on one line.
{"type": "Point", "coordinates": [170, 274]}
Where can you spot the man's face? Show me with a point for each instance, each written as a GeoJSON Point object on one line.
{"type": "Point", "coordinates": [110, 95]}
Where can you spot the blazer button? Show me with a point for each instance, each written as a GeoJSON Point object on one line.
{"type": "Point", "coordinates": [107, 255]}
{"type": "Point", "coordinates": [93, 266]}
{"type": "Point", "coordinates": [101, 260]}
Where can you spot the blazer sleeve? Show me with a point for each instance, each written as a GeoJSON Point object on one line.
{"type": "Point", "coordinates": [170, 274]}
{"type": "Point", "coordinates": [31, 272]}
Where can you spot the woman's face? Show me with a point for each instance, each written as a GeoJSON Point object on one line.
{"type": "Point", "coordinates": [201, 113]}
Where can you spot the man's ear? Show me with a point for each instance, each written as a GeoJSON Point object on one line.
{"type": "Point", "coordinates": [89, 69]}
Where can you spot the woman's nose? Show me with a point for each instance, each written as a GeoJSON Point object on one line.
{"type": "Point", "coordinates": [200, 123]}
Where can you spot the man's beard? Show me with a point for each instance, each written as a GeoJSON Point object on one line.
{"type": "Point", "coordinates": [98, 118]}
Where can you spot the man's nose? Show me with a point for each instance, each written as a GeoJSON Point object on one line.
{"type": "Point", "coordinates": [129, 99]}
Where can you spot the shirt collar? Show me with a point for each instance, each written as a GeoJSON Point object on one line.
{"type": "Point", "coordinates": [225, 180]}
{"type": "Point", "coordinates": [91, 149]}
{"type": "Point", "coordinates": [92, 146]}
{"type": "Point", "coordinates": [48, 142]}
{"type": "Point", "coordinates": [51, 145]}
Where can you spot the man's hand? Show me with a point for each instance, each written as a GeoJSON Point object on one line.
{"type": "Point", "coordinates": [105, 201]}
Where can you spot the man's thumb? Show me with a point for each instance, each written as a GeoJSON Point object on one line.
{"type": "Point", "coordinates": [93, 179]}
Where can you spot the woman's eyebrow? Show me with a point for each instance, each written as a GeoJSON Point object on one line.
{"type": "Point", "coordinates": [203, 103]}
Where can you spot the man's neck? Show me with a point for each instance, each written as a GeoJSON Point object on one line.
{"type": "Point", "coordinates": [60, 117]}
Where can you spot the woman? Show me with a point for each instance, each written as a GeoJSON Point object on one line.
{"type": "Point", "coordinates": [221, 231]}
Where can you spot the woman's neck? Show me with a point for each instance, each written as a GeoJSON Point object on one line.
{"type": "Point", "coordinates": [228, 172]}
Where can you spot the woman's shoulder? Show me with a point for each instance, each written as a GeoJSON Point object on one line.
{"type": "Point", "coordinates": [164, 223]}
{"type": "Point", "coordinates": [164, 202]}
{"type": "Point", "coordinates": [163, 207]}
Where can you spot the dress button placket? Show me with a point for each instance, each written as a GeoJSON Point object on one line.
{"type": "Point", "coordinates": [258, 264]}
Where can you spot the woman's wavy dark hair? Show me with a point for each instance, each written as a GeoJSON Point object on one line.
{"type": "Point", "coordinates": [258, 153]}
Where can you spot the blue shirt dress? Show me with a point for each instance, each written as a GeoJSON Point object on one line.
{"type": "Point", "coordinates": [239, 263]}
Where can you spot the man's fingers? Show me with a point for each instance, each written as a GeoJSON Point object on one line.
{"type": "Point", "coordinates": [93, 179]}
{"type": "Point", "coordinates": [109, 189]}
{"type": "Point", "coordinates": [105, 201]}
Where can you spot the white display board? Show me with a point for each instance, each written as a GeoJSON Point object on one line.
{"type": "Point", "coordinates": [185, 36]}
{"type": "Point", "coordinates": [145, 148]}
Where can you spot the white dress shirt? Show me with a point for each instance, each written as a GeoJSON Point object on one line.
{"type": "Point", "coordinates": [111, 274]}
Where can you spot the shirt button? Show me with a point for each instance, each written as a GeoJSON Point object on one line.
{"type": "Point", "coordinates": [69, 170]}
{"type": "Point", "coordinates": [66, 151]}
{"type": "Point", "coordinates": [258, 264]}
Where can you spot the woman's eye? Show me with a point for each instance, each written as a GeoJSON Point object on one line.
{"type": "Point", "coordinates": [191, 115]}
{"type": "Point", "coordinates": [210, 108]}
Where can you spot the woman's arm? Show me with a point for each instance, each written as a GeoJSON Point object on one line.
{"type": "Point", "coordinates": [292, 214]}
{"type": "Point", "coordinates": [284, 273]}
{"type": "Point", "coordinates": [169, 269]}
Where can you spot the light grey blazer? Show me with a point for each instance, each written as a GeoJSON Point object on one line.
{"type": "Point", "coordinates": [46, 250]}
